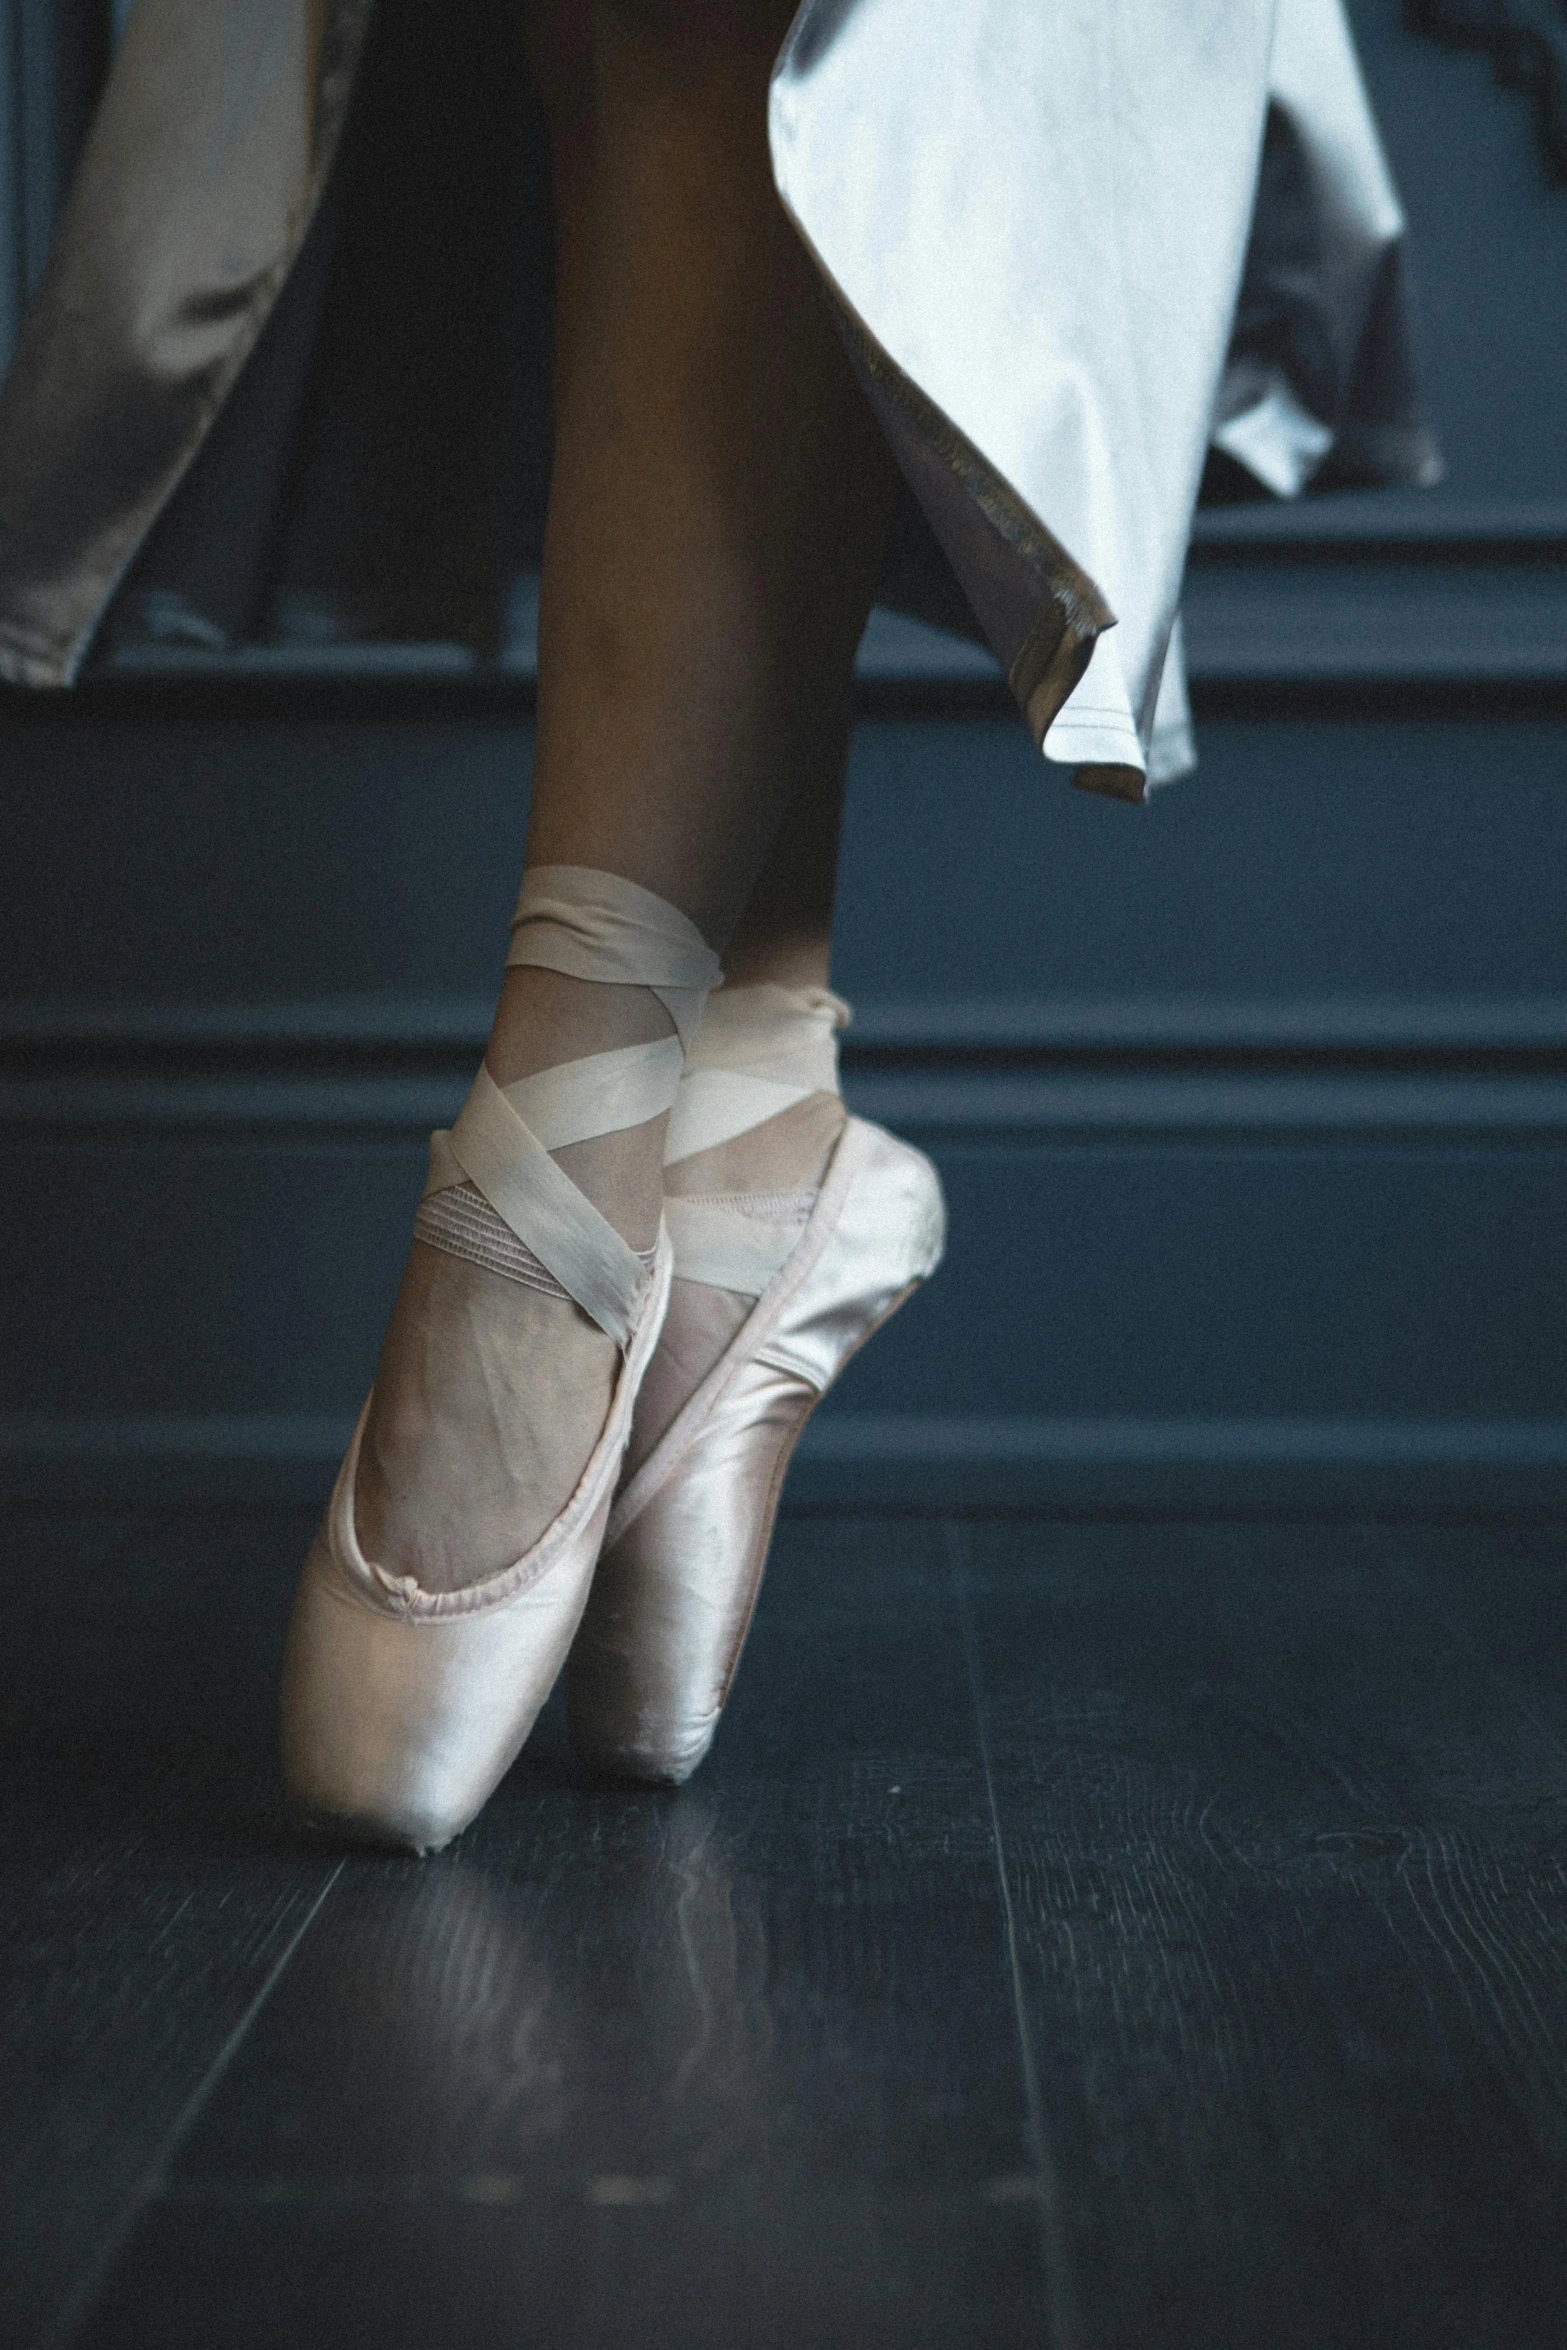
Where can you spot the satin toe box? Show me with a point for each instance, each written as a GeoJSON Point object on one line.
{"type": "Point", "coordinates": [674, 1594]}
{"type": "Point", "coordinates": [676, 1586]}
{"type": "Point", "coordinates": [402, 1709]}
{"type": "Point", "coordinates": [396, 1727]}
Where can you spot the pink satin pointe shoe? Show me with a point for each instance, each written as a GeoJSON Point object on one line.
{"type": "Point", "coordinates": [402, 1707]}
{"type": "Point", "coordinates": [677, 1582]}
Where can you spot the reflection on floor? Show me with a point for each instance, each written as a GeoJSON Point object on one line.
{"type": "Point", "coordinates": [1083, 1935]}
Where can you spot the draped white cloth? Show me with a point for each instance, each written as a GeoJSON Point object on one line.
{"type": "Point", "coordinates": [1073, 244]}
{"type": "Point", "coordinates": [1040, 215]}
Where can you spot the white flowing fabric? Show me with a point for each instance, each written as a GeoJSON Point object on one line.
{"type": "Point", "coordinates": [1072, 242]}
{"type": "Point", "coordinates": [1040, 215]}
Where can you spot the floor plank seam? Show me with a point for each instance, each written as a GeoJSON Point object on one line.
{"type": "Point", "coordinates": [79, 2304]}
{"type": "Point", "coordinates": [1061, 2312]}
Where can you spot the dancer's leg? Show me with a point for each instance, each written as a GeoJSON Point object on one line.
{"type": "Point", "coordinates": [784, 934]}
{"type": "Point", "coordinates": [783, 939]}
{"type": "Point", "coordinates": [718, 508]}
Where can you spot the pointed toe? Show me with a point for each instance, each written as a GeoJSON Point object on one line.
{"type": "Point", "coordinates": [402, 1709]}
{"type": "Point", "coordinates": [676, 1587]}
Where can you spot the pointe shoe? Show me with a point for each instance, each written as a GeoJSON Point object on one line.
{"type": "Point", "coordinates": [402, 1708]}
{"type": "Point", "coordinates": [677, 1582]}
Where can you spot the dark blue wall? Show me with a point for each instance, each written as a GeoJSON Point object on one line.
{"type": "Point", "coordinates": [1252, 1105]}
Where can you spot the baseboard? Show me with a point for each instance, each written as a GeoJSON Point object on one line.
{"type": "Point", "coordinates": [883, 1462]}
{"type": "Point", "coordinates": [1201, 1465]}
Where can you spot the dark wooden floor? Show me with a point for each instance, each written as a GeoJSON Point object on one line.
{"type": "Point", "coordinates": [1085, 1936]}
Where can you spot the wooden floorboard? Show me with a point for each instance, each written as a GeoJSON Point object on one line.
{"type": "Point", "coordinates": [1283, 1814]}
{"type": "Point", "coordinates": [1082, 1935]}
{"type": "Point", "coordinates": [147, 1893]}
{"type": "Point", "coordinates": [731, 2065]}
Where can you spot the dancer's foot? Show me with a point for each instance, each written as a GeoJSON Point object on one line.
{"type": "Point", "coordinates": [655, 1654]}
{"type": "Point", "coordinates": [490, 1394]}
{"type": "Point", "coordinates": [442, 1592]}
{"type": "Point", "coordinates": [488, 1399]}
{"type": "Point", "coordinates": [778, 1164]}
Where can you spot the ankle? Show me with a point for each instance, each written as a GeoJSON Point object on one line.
{"type": "Point", "coordinates": [623, 1175]}
{"type": "Point", "coordinates": [562, 1128]}
{"type": "Point", "coordinates": [759, 1106]}
{"type": "Point", "coordinates": [544, 1017]}
{"type": "Point", "coordinates": [787, 1153]}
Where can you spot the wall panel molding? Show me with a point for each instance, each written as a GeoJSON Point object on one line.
{"type": "Point", "coordinates": [882, 1462]}
{"type": "Point", "coordinates": [57, 1037]}
{"type": "Point", "coordinates": [955, 1105]}
{"type": "Point", "coordinates": [1405, 592]}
